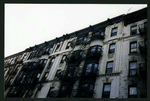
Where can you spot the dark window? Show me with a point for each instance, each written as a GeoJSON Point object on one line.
{"type": "Point", "coordinates": [132, 92]}
{"type": "Point", "coordinates": [51, 63]}
{"type": "Point", "coordinates": [63, 59]}
{"type": "Point", "coordinates": [43, 62]}
{"type": "Point", "coordinates": [50, 50]}
{"type": "Point", "coordinates": [133, 47]}
{"type": "Point", "coordinates": [81, 40]}
{"type": "Point", "coordinates": [91, 68]}
{"type": "Point", "coordinates": [57, 74]}
{"type": "Point", "coordinates": [114, 32]}
{"type": "Point", "coordinates": [106, 90]}
{"type": "Point", "coordinates": [38, 75]}
{"type": "Point", "coordinates": [133, 68]}
{"type": "Point", "coordinates": [109, 67]}
{"type": "Point", "coordinates": [111, 48]}
{"type": "Point", "coordinates": [57, 48]}
{"type": "Point", "coordinates": [88, 68]}
{"type": "Point", "coordinates": [68, 45]}
{"type": "Point", "coordinates": [134, 30]}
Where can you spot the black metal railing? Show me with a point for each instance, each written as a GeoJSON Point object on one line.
{"type": "Point", "coordinates": [143, 47]}
{"type": "Point", "coordinates": [143, 69]}
{"type": "Point", "coordinates": [143, 28]}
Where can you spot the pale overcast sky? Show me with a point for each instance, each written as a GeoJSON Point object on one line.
{"type": "Point", "coordinates": [27, 25]}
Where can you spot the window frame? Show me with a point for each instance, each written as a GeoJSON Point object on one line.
{"type": "Point", "coordinates": [134, 95]}
{"type": "Point", "coordinates": [50, 64]}
{"type": "Point", "coordinates": [57, 48]}
{"type": "Point", "coordinates": [131, 31]}
{"type": "Point", "coordinates": [133, 48]}
{"type": "Point", "coordinates": [115, 33]}
{"type": "Point", "coordinates": [132, 69]}
{"type": "Point", "coordinates": [68, 46]}
{"type": "Point", "coordinates": [62, 60]}
{"type": "Point", "coordinates": [109, 68]}
{"type": "Point", "coordinates": [103, 96]}
{"type": "Point", "coordinates": [109, 52]}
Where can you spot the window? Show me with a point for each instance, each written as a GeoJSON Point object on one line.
{"type": "Point", "coordinates": [91, 68]}
{"type": "Point", "coordinates": [114, 32]}
{"type": "Point", "coordinates": [57, 48]}
{"type": "Point", "coordinates": [43, 62]}
{"type": "Point", "coordinates": [38, 75]}
{"type": "Point", "coordinates": [106, 90]}
{"type": "Point", "coordinates": [109, 67]}
{"type": "Point", "coordinates": [81, 40]}
{"type": "Point", "coordinates": [133, 68]}
{"type": "Point", "coordinates": [63, 59]}
{"type": "Point", "coordinates": [93, 49]}
{"type": "Point", "coordinates": [68, 45]}
{"type": "Point", "coordinates": [51, 63]}
{"type": "Point", "coordinates": [88, 68]}
{"type": "Point", "coordinates": [132, 92]}
{"type": "Point", "coordinates": [111, 48]}
{"type": "Point", "coordinates": [133, 47]}
{"type": "Point", "coordinates": [134, 30]}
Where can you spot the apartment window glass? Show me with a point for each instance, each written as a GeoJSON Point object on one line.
{"type": "Point", "coordinates": [68, 45]}
{"type": "Point", "coordinates": [132, 91]}
{"type": "Point", "coordinates": [109, 67]}
{"type": "Point", "coordinates": [99, 49]}
{"type": "Point", "coordinates": [88, 68]}
{"type": "Point", "coordinates": [50, 50]}
{"type": "Point", "coordinates": [112, 48]}
{"type": "Point", "coordinates": [51, 63]}
{"type": "Point", "coordinates": [106, 90]}
{"type": "Point", "coordinates": [134, 30]}
{"type": "Point", "coordinates": [38, 75]}
{"type": "Point", "coordinates": [57, 48]}
{"type": "Point", "coordinates": [63, 59]}
{"type": "Point", "coordinates": [114, 32]}
{"type": "Point", "coordinates": [95, 67]}
{"type": "Point", "coordinates": [133, 47]}
{"type": "Point", "coordinates": [133, 68]}
{"type": "Point", "coordinates": [93, 49]}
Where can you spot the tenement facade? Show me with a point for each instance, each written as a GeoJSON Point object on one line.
{"type": "Point", "coordinates": [106, 60]}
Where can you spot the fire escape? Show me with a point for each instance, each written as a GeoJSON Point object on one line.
{"type": "Point", "coordinates": [26, 81]}
{"type": "Point", "coordinates": [143, 50]}
{"type": "Point", "coordinates": [73, 73]}
{"type": "Point", "coordinates": [69, 76]}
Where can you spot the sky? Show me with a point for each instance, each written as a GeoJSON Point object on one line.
{"type": "Point", "coordinates": [27, 25]}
